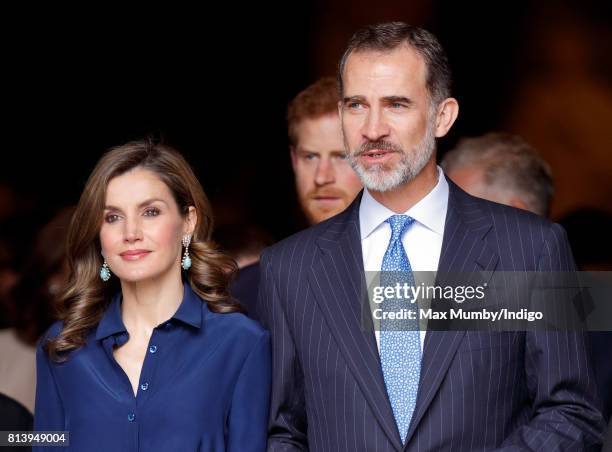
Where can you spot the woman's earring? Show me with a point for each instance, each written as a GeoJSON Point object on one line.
{"type": "Point", "coordinates": [186, 262]}
{"type": "Point", "coordinates": [105, 273]}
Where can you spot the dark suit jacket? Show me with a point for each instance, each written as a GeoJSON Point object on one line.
{"type": "Point", "coordinates": [601, 354]}
{"type": "Point", "coordinates": [245, 287]}
{"type": "Point", "coordinates": [607, 447]}
{"type": "Point", "coordinates": [478, 390]}
{"type": "Point", "coordinates": [14, 417]}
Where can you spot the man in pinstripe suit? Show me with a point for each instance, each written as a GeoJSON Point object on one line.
{"type": "Point", "coordinates": [333, 390]}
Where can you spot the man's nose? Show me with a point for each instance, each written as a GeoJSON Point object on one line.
{"type": "Point", "coordinates": [325, 173]}
{"type": "Point", "coordinates": [375, 126]}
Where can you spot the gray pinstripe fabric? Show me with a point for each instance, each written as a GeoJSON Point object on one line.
{"type": "Point", "coordinates": [478, 390]}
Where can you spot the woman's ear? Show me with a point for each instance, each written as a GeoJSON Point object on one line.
{"type": "Point", "coordinates": [191, 220]}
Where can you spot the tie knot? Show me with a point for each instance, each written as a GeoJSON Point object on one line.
{"type": "Point", "coordinates": [399, 223]}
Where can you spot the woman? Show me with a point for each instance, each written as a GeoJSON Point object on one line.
{"type": "Point", "coordinates": [151, 354]}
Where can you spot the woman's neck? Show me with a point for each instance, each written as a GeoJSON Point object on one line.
{"type": "Point", "coordinates": [147, 304]}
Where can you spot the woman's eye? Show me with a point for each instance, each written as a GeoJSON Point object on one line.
{"type": "Point", "coordinates": [111, 218]}
{"type": "Point", "coordinates": [151, 212]}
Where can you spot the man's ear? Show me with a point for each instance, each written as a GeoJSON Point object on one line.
{"type": "Point", "coordinates": [293, 153]}
{"type": "Point", "coordinates": [446, 114]}
{"type": "Point", "coordinates": [191, 220]}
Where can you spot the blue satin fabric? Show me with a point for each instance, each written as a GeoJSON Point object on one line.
{"type": "Point", "coordinates": [204, 386]}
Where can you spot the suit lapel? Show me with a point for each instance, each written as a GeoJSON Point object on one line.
{"type": "Point", "coordinates": [338, 284]}
{"type": "Point", "coordinates": [463, 250]}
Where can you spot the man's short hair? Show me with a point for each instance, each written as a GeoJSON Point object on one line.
{"type": "Point", "coordinates": [388, 36]}
{"type": "Point", "coordinates": [508, 163]}
{"type": "Point", "coordinates": [317, 100]}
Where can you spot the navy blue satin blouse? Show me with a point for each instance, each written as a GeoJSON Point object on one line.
{"type": "Point", "coordinates": [204, 386]}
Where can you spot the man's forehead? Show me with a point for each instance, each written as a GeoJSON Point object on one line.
{"type": "Point", "coordinates": [401, 64]}
{"type": "Point", "coordinates": [323, 132]}
{"type": "Point", "coordinates": [327, 122]}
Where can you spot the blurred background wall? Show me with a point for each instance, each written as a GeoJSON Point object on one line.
{"type": "Point", "coordinates": [216, 82]}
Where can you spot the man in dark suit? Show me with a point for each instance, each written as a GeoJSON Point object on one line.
{"type": "Point", "coordinates": [338, 386]}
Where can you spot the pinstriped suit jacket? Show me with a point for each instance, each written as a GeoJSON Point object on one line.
{"type": "Point", "coordinates": [478, 390]}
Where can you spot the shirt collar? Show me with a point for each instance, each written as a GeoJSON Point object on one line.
{"type": "Point", "coordinates": [189, 312]}
{"type": "Point", "coordinates": [430, 211]}
{"type": "Point", "coordinates": [191, 308]}
{"type": "Point", "coordinates": [111, 322]}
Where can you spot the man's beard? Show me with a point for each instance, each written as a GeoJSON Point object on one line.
{"type": "Point", "coordinates": [378, 177]}
{"type": "Point", "coordinates": [315, 213]}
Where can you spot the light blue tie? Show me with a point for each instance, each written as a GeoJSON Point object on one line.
{"type": "Point", "coordinates": [400, 344]}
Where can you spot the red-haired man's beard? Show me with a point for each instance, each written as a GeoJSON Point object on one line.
{"type": "Point", "coordinates": [322, 203]}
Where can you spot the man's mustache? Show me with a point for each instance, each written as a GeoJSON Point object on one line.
{"type": "Point", "coordinates": [380, 145]}
{"type": "Point", "coordinates": [325, 192]}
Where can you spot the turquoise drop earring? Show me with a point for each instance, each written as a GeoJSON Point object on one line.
{"type": "Point", "coordinates": [186, 262]}
{"type": "Point", "coordinates": [105, 273]}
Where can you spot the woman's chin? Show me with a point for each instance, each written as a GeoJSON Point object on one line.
{"type": "Point", "coordinates": [138, 275]}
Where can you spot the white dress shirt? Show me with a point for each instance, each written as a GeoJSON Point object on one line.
{"type": "Point", "coordinates": [422, 240]}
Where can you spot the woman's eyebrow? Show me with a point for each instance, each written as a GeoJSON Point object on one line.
{"type": "Point", "coordinates": [142, 204]}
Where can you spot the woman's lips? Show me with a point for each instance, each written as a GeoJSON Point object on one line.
{"type": "Point", "coordinates": [134, 255]}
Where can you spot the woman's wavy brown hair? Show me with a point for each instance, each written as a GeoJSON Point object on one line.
{"type": "Point", "coordinates": [86, 296]}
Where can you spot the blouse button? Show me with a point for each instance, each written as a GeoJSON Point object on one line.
{"type": "Point", "coordinates": [153, 348]}
{"type": "Point", "coordinates": [131, 417]}
{"type": "Point", "coordinates": [144, 386]}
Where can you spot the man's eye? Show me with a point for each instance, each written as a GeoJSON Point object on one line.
{"type": "Point", "coordinates": [310, 156]}
{"type": "Point", "coordinates": [151, 212]}
{"type": "Point", "coordinates": [354, 105]}
{"type": "Point", "coordinates": [111, 218]}
{"type": "Point", "coordinates": [396, 105]}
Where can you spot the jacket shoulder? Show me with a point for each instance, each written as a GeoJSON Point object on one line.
{"type": "Point", "coordinates": [296, 246]}
{"type": "Point", "coordinates": [515, 234]}
{"type": "Point", "coordinates": [503, 215]}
